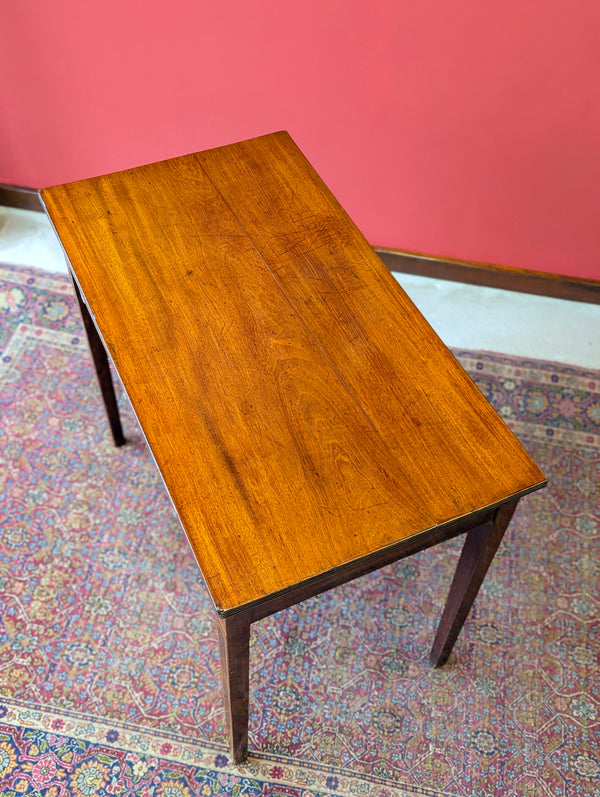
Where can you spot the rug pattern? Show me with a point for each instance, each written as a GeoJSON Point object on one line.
{"type": "Point", "coordinates": [109, 670]}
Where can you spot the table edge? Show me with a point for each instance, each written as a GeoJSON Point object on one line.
{"type": "Point", "coordinates": [310, 587]}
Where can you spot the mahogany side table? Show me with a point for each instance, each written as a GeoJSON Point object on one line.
{"type": "Point", "coordinates": [308, 423]}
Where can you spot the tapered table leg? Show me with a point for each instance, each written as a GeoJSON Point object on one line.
{"type": "Point", "coordinates": [234, 647]}
{"type": "Point", "coordinates": [477, 554]}
{"type": "Point", "coordinates": [102, 367]}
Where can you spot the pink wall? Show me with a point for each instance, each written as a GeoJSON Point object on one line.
{"type": "Point", "coordinates": [458, 128]}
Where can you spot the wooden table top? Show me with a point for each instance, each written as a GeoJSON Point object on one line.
{"type": "Point", "coordinates": [302, 412]}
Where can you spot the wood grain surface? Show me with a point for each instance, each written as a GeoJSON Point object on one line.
{"type": "Point", "coordinates": [301, 411]}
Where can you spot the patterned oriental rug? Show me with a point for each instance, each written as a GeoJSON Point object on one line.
{"type": "Point", "coordinates": [109, 669]}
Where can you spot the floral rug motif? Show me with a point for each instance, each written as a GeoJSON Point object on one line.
{"type": "Point", "coordinates": [109, 668]}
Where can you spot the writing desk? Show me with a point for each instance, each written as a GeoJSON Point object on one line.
{"type": "Point", "coordinates": [308, 423]}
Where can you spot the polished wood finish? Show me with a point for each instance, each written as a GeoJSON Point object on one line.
{"type": "Point", "coordinates": [558, 286]}
{"type": "Point", "coordinates": [308, 423]}
{"type": "Point", "coordinates": [540, 283]}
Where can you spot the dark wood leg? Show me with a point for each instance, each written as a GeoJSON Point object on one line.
{"type": "Point", "coordinates": [234, 647]}
{"type": "Point", "coordinates": [100, 359]}
{"type": "Point", "coordinates": [477, 554]}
